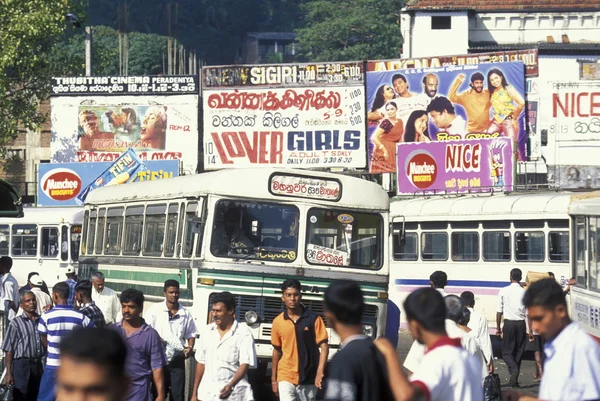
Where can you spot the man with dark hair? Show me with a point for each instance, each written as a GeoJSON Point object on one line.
{"type": "Point", "coordinates": [106, 299]}
{"type": "Point", "coordinates": [475, 100]}
{"type": "Point", "coordinates": [29, 287]}
{"type": "Point", "coordinates": [72, 282]}
{"type": "Point", "coordinates": [454, 312]}
{"type": "Point", "coordinates": [572, 356]}
{"type": "Point", "coordinates": [225, 353]}
{"type": "Point", "coordinates": [479, 329]}
{"type": "Point", "coordinates": [447, 372]}
{"type": "Point", "coordinates": [438, 281]}
{"type": "Point", "coordinates": [357, 371]}
{"type": "Point", "coordinates": [175, 326]}
{"type": "Point", "coordinates": [83, 298]}
{"type": "Point", "coordinates": [406, 101]}
{"type": "Point", "coordinates": [444, 117]}
{"type": "Point", "coordinates": [145, 359]}
{"type": "Point", "coordinates": [514, 333]}
{"type": "Point", "coordinates": [9, 288]}
{"type": "Point", "coordinates": [53, 326]}
{"type": "Point", "coordinates": [92, 366]}
{"type": "Point", "coordinates": [297, 335]}
{"type": "Point", "coordinates": [24, 351]}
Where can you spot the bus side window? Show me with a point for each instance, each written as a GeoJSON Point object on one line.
{"type": "Point", "coordinates": [49, 242]}
{"type": "Point", "coordinates": [24, 240]}
{"type": "Point", "coordinates": [496, 246]}
{"type": "Point", "coordinates": [558, 246]}
{"type": "Point", "coordinates": [580, 236]}
{"type": "Point", "coordinates": [594, 255]}
{"type": "Point", "coordinates": [92, 233]}
{"type": "Point", "coordinates": [171, 240]}
{"type": "Point", "coordinates": [99, 248]}
{"type": "Point", "coordinates": [134, 223]}
{"type": "Point", "coordinates": [188, 242]}
{"type": "Point", "coordinates": [407, 248]}
{"type": "Point", "coordinates": [84, 233]}
{"type": "Point", "coordinates": [529, 246]}
{"type": "Point", "coordinates": [154, 229]}
{"type": "Point", "coordinates": [465, 246]}
{"type": "Point", "coordinates": [64, 243]}
{"type": "Point", "coordinates": [434, 246]}
{"type": "Point", "coordinates": [4, 236]}
{"type": "Point", "coordinates": [114, 231]}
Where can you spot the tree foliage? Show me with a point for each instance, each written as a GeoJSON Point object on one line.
{"type": "Point", "coordinates": [338, 30]}
{"type": "Point", "coordinates": [28, 31]}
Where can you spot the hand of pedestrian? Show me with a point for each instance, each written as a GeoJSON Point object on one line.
{"type": "Point", "coordinates": [160, 398]}
{"type": "Point", "coordinates": [9, 380]}
{"type": "Point", "coordinates": [226, 391]}
{"type": "Point", "coordinates": [194, 397]}
{"type": "Point", "coordinates": [319, 380]}
{"type": "Point", "coordinates": [499, 332]}
{"type": "Point", "coordinates": [491, 368]}
{"type": "Point", "coordinates": [47, 308]}
{"type": "Point", "coordinates": [531, 337]}
{"type": "Point", "coordinates": [275, 388]}
{"type": "Point", "coordinates": [187, 352]}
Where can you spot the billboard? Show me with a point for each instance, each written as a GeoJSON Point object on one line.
{"type": "Point", "coordinates": [528, 56]}
{"type": "Point", "coordinates": [67, 184]}
{"type": "Point", "coordinates": [572, 118]}
{"type": "Point", "coordinates": [95, 119]}
{"type": "Point", "coordinates": [284, 115]}
{"type": "Point", "coordinates": [444, 103]}
{"type": "Point", "coordinates": [478, 165]}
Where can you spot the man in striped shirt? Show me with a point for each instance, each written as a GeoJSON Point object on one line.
{"type": "Point", "coordinates": [53, 325]}
{"type": "Point", "coordinates": [83, 298]}
{"type": "Point", "coordinates": [24, 351]}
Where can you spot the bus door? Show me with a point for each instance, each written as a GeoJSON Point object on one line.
{"type": "Point", "coordinates": [49, 254]}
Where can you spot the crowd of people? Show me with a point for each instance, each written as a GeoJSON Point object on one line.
{"type": "Point", "coordinates": [111, 350]}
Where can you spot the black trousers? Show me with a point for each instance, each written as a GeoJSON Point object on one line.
{"type": "Point", "coordinates": [175, 378]}
{"type": "Point", "coordinates": [514, 341]}
{"type": "Point", "coordinates": [27, 374]}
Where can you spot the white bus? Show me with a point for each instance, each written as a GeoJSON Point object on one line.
{"type": "Point", "coordinates": [476, 240]}
{"type": "Point", "coordinates": [243, 231]}
{"type": "Point", "coordinates": [45, 240]}
{"type": "Point", "coordinates": [585, 295]}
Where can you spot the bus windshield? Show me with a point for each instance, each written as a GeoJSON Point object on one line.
{"type": "Point", "coordinates": [262, 231]}
{"type": "Point", "coordinates": [344, 238]}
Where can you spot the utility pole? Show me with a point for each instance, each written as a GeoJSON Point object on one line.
{"type": "Point", "coordinates": [89, 71]}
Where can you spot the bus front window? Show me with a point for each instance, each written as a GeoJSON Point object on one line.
{"type": "Point", "coordinates": [75, 241]}
{"type": "Point", "coordinates": [261, 231]}
{"type": "Point", "coordinates": [344, 238]}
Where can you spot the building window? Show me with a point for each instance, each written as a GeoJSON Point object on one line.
{"type": "Point", "coordinates": [442, 22]}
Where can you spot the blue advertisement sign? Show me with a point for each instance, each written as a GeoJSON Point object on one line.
{"type": "Point", "coordinates": [454, 102]}
{"type": "Point", "coordinates": [68, 184]}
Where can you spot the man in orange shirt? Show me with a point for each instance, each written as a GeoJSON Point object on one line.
{"type": "Point", "coordinates": [297, 336]}
{"type": "Point", "coordinates": [475, 100]}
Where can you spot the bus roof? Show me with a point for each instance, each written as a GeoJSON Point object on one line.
{"type": "Point", "coordinates": [47, 215]}
{"type": "Point", "coordinates": [460, 207]}
{"type": "Point", "coordinates": [586, 204]}
{"type": "Point", "coordinates": [243, 183]}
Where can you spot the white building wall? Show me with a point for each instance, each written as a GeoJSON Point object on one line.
{"type": "Point", "coordinates": [534, 27]}
{"type": "Point", "coordinates": [426, 42]}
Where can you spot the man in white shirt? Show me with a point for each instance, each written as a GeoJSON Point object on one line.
{"type": "Point", "coordinates": [514, 333]}
{"type": "Point", "coordinates": [177, 329]}
{"type": "Point", "coordinates": [572, 366]}
{"type": "Point", "coordinates": [438, 280]}
{"type": "Point", "coordinates": [44, 302]}
{"type": "Point", "coordinates": [454, 308]}
{"type": "Point", "coordinates": [479, 329]}
{"type": "Point", "coordinates": [447, 372]}
{"type": "Point", "coordinates": [444, 116]}
{"type": "Point", "coordinates": [9, 288]}
{"type": "Point", "coordinates": [105, 298]}
{"type": "Point", "coordinates": [225, 352]}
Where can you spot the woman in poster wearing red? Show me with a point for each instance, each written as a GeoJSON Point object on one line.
{"type": "Point", "coordinates": [507, 105]}
{"type": "Point", "coordinates": [385, 138]}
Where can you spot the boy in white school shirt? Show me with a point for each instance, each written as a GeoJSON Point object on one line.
{"type": "Point", "coordinates": [572, 366]}
{"type": "Point", "coordinates": [447, 372]}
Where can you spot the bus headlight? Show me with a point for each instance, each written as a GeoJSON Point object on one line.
{"type": "Point", "coordinates": [251, 317]}
{"type": "Point", "coordinates": [368, 330]}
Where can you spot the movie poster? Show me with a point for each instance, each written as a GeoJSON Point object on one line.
{"type": "Point", "coordinates": [457, 102]}
{"type": "Point", "coordinates": [95, 121]}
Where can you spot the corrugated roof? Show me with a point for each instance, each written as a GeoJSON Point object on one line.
{"type": "Point", "coordinates": [501, 5]}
